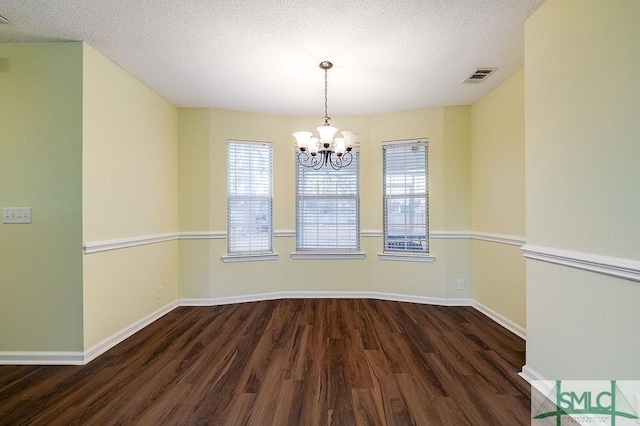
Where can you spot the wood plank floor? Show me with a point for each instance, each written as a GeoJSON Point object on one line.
{"type": "Point", "coordinates": [288, 362]}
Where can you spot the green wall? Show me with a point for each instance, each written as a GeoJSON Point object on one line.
{"type": "Point", "coordinates": [93, 152]}
{"type": "Point", "coordinates": [41, 168]}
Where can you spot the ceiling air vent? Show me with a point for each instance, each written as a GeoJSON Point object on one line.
{"type": "Point", "coordinates": [479, 75]}
{"type": "Point", "coordinates": [3, 20]}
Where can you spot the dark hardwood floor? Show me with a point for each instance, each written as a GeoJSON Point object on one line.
{"type": "Point", "coordinates": [288, 362]}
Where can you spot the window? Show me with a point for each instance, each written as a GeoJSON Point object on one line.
{"type": "Point", "coordinates": [406, 202]}
{"type": "Point", "coordinates": [250, 172]}
{"type": "Point", "coordinates": [328, 208]}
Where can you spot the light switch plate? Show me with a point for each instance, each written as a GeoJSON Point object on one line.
{"type": "Point", "coordinates": [16, 215]}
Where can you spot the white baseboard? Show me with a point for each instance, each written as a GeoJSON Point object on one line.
{"type": "Point", "coordinates": [78, 357]}
{"type": "Point", "coordinates": [230, 300]}
{"type": "Point", "coordinates": [81, 358]}
{"type": "Point", "coordinates": [530, 375]}
{"type": "Point", "coordinates": [42, 358]}
{"type": "Point", "coordinates": [103, 346]}
{"type": "Point", "coordinates": [326, 295]}
{"type": "Point", "coordinates": [502, 320]}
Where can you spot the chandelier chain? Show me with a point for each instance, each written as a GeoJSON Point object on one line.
{"type": "Point", "coordinates": [326, 91]}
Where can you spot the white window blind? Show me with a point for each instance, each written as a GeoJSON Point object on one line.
{"type": "Point", "coordinates": [406, 201]}
{"type": "Point", "coordinates": [328, 208]}
{"type": "Point", "coordinates": [250, 175]}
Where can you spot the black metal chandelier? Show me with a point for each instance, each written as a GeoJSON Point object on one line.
{"type": "Point", "coordinates": [317, 152]}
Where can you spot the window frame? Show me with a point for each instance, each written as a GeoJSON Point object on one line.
{"type": "Point", "coordinates": [418, 255]}
{"type": "Point", "coordinates": [233, 254]}
{"type": "Point", "coordinates": [303, 251]}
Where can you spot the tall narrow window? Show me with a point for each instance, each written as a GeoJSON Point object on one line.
{"type": "Point", "coordinates": [328, 208]}
{"type": "Point", "coordinates": [250, 178]}
{"type": "Point", "coordinates": [406, 201]}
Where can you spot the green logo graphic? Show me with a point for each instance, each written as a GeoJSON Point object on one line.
{"type": "Point", "coordinates": [593, 406]}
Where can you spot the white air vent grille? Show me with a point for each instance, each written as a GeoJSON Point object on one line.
{"type": "Point", "coordinates": [479, 75]}
{"type": "Point", "coordinates": [3, 20]}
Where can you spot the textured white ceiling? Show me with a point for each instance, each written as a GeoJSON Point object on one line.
{"type": "Point", "coordinates": [263, 55]}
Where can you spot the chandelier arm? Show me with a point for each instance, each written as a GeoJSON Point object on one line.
{"type": "Point", "coordinates": [322, 158]}
{"type": "Point", "coordinates": [337, 164]}
{"type": "Point", "coordinates": [346, 159]}
{"type": "Point", "coordinates": [318, 162]}
{"type": "Point", "coordinates": [303, 154]}
{"type": "Point", "coordinates": [303, 159]}
{"type": "Point", "coordinates": [306, 160]}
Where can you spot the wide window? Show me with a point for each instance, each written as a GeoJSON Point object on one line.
{"type": "Point", "coordinates": [406, 201]}
{"type": "Point", "coordinates": [250, 178]}
{"type": "Point", "coordinates": [328, 208]}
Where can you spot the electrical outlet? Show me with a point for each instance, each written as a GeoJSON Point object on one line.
{"type": "Point", "coordinates": [16, 215]}
{"type": "Point", "coordinates": [160, 292]}
{"type": "Point", "coordinates": [460, 284]}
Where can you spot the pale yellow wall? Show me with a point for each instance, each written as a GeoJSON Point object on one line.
{"type": "Point", "coordinates": [497, 198]}
{"type": "Point", "coordinates": [130, 188]}
{"type": "Point", "coordinates": [194, 200]}
{"type": "Point", "coordinates": [129, 154]}
{"type": "Point", "coordinates": [121, 287]}
{"type": "Point", "coordinates": [193, 160]}
{"type": "Point", "coordinates": [583, 181]}
{"type": "Point", "coordinates": [456, 204]}
{"type": "Point", "coordinates": [204, 275]}
{"type": "Point", "coordinates": [499, 280]}
{"type": "Point", "coordinates": [41, 168]}
{"type": "Point", "coordinates": [457, 168]}
{"type": "Point", "coordinates": [497, 164]}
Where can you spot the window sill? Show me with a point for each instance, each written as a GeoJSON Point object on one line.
{"type": "Point", "coordinates": [407, 257]}
{"type": "Point", "coordinates": [233, 258]}
{"type": "Point", "coordinates": [326, 255]}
